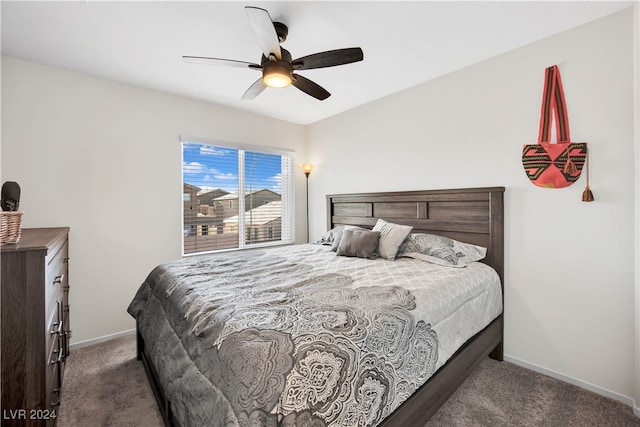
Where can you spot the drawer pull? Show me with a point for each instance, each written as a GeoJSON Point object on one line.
{"type": "Point", "coordinates": [60, 357]}
{"type": "Point", "coordinates": [57, 328]}
{"type": "Point", "coordinates": [56, 403]}
{"type": "Point", "coordinates": [58, 279]}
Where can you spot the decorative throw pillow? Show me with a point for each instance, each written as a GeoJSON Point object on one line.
{"type": "Point", "coordinates": [329, 237]}
{"type": "Point", "coordinates": [333, 236]}
{"type": "Point", "coordinates": [466, 252]}
{"type": "Point", "coordinates": [441, 250]}
{"type": "Point", "coordinates": [340, 233]}
{"type": "Point", "coordinates": [358, 243]}
{"type": "Point", "coordinates": [429, 247]}
{"type": "Point", "coordinates": [391, 237]}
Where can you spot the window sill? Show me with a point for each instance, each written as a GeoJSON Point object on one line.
{"type": "Point", "coordinates": [244, 248]}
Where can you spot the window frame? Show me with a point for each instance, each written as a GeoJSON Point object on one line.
{"type": "Point", "coordinates": [287, 235]}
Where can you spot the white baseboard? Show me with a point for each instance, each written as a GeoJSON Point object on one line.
{"type": "Point", "coordinates": [102, 339]}
{"type": "Point", "coordinates": [582, 384]}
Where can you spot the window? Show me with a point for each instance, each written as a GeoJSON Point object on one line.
{"type": "Point", "coordinates": [251, 189]}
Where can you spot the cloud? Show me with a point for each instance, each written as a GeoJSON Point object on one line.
{"type": "Point", "coordinates": [207, 150]}
{"type": "Point", "coordinates": [193, 168]}
{"type": "Point", "coordinates": [276, 182]}
{"type": "Point", "coordinates": [225, 176]}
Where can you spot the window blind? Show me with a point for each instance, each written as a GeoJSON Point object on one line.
{"type": "Point", "coordinates": [235, 197]}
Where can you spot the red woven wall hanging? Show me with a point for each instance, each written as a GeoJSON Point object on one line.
{"type": "Point", "coordinates": [559, 164]}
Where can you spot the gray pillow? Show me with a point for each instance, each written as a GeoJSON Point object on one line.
{"type": "Point", "coordinates": [333, 236]}
{"type": "Point", "coordinates": [391, 237]}
{"type": "Point", "coordinates": [358, 243]}
{"type": "Point", "coordinates": [339, 233]}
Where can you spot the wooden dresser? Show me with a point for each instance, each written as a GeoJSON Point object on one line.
{"type": "Point", "coordinates": [35, 325]}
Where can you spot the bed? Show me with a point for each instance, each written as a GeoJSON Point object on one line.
{"type": "Point", "coordinates": [299, 335]}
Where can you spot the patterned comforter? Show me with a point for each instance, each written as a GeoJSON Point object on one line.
{"type": "Point", "coordinates": [299, 336]}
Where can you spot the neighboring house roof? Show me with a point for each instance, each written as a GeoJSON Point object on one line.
{"type": "Point", "coordinates": [209, 196]}
{"type": "Point", "coordinates": [231, 196]}
{"type": "Point", "coordinates": [190, 187]}
{"type": "Point", "coordinates": [215, 191]}
{"type": "Point", "coordinates": [261, 215]}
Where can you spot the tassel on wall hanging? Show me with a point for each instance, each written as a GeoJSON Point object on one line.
{"type": "Point", "coordinates": [559, 164]}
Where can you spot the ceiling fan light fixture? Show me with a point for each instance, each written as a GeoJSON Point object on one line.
{"type": "Point", "coordinates": [276, 75]}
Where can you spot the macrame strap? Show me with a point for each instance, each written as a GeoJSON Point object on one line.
{"type": "Point", "coordinates": [553, 107]}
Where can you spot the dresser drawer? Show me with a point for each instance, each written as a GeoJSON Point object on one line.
{"type": "Point", "coordinates": [56, 277]}
{"type": "Point", "coordinates": [52, 331]}
{"type": "Point", "coordinates": [54, 334]}
{"type": "Point", "coordinates": [54, 386]}
{"type": "Point", "coordinates": [55, 359]}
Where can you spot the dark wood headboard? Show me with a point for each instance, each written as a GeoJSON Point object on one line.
{"type": "Point", "coordinates": [472, 215]}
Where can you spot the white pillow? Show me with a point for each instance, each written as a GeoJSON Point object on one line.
{"type": "Point", "coordinates": [391, 237]}
{"type": "Point", "coordinates": [467, 253]}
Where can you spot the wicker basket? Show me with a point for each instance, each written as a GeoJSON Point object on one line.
{"type": "Point", "coordinates": [11, 226]}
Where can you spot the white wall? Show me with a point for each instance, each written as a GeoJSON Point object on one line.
{"type": "Point", "coordinates": [104, 159]}
{"type": "Point", "coordinates": [569, 267]}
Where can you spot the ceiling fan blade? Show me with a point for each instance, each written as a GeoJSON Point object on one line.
{"type": "Point", "coordinates": [329, 58]}
{"type": "Point", "coordinates": [218, 61]}
{"type": "Point", "coordinates": [309, 87]}
{"type": "Point", "coordinates": [262, 26]}
{"type": "Point", "coordinates": [255, 89]}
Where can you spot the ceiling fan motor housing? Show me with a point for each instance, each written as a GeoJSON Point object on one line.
{"type": "Point", "coordinates": [282, 67]}
{"type": "Point", "coordinates": [281, 30]}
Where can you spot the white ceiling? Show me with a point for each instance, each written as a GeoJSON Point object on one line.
{"type": "Point", "coordinates": [404, 43]}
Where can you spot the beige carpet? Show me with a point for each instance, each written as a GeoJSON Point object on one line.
{"type": "Point", "coordinates": [104, 385]}
{"type": "Point", "coordinates": [504, 394]}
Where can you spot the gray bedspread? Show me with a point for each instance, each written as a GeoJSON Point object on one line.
{"type": "Point", "coordinates": [299, 336]}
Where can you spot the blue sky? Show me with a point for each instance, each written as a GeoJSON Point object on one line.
{"type": "Point", "coordinates": [209, 167]}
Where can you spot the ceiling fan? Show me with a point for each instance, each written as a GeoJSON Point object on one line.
{"type": "Point", "coordinates": [276, 64]}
